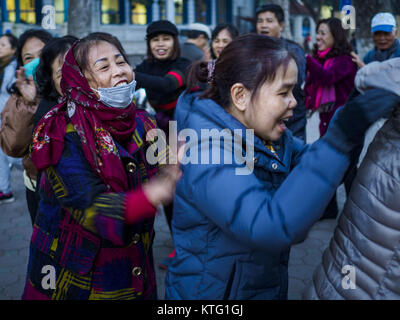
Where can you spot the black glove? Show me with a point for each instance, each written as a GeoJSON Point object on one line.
{"type": "Point", "coordinates": [348, 126]}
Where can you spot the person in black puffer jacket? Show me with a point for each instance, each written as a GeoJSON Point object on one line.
{"type": "Point", "coordinates": [163, 73]}
{"type": "Point", "coordinates": [163, 76]}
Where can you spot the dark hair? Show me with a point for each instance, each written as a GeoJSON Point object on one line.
{"type": "Point", "coordinates": [44, 72]}
{"type": "Point", "coordinates": [42, 35]}
{"type": "Point", "coordinates": [194, 34]}
{"type": "Point", "coordinates": [341, 45]}
{"type": "Point", "coordinates": [251, 59]}
{"type": "Point", "coordinates": [232, 30]}
{"type": "Point", "coordinates": [12, 40]}
{"type": "Point", "coordinates": [82, 48]}
{"type": "Point", "coordinates": [275, 9]}
{"type": "Point", "coordinates": [176, 51]}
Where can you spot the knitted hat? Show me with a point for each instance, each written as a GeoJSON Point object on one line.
{"type": "Point", "coordinates": [161, 26]}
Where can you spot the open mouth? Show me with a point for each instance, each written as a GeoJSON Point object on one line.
{"type": "Point", "coordinates": [161, 52]}
{"type": "Point", "coordinates": [121, 83]}
{"type": "Point", "coordinates": [282, 123]}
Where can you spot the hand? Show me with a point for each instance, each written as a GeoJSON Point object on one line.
{"type": "Point", "coordinates": [351, 121]}
{"type": "Point", "coordinates": [161, 189]}
{"type": "Point", "coordinates": [26, 87]}
{"type": "Point", "coordinates": [357, 60]}
{"type": "Point", "coordinates": [207, 53]}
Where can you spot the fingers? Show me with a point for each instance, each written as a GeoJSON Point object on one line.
{"type": "Point", "coordinates": [357, 60]}
{"type": "Point", "coordinates": [21, 72]}
{"type": "Point", "coordinates": [170, 174]}
{"type": "Point", "coordinates": [20, 75]}
{"type": "Point", "coordinates": [30, 81]}
{"type": "Point", "coordinates": [161, 189]}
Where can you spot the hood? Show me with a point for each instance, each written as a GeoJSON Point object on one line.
{"type": "Point", "coordinates": [381, 75]}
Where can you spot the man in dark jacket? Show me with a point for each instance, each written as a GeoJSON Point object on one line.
{"type": "Point", "coordinates": [196, 47]}
{"type": "Point", "coordinates": [271, 22]}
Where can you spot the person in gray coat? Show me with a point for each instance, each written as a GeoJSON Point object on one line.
{"type": "Point", "coordinates": [362, 261]}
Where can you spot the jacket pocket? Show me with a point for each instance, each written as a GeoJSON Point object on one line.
{"type": "Point", "coordinates": [231, 291]}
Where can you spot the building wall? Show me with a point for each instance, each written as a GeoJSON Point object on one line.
{"type": "Point", "coordinates": [133, 36]}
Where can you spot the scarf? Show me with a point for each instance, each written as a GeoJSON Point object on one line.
{"type": "Point", "coordinates": [326, 96]}
{"type": "Point", "coordinates": [97, 125]}
{"type": "Point", "coordinates": [384, 55]}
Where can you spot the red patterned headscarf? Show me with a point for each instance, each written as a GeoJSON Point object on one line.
{"type": "Point", "coordinates": [97, 125]}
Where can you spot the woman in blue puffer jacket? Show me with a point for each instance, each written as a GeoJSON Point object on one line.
{"type": "Point", "coordinates": [233, 225]}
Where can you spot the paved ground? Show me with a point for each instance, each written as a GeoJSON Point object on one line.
{"type": "Point", "coordinates": [15, 232]}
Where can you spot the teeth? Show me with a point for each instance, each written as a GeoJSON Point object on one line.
{"type": "Point", "coordinates": [121, 84]}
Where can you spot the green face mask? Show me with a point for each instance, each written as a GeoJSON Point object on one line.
{"type": "Point", "coordinates": [30, 68]}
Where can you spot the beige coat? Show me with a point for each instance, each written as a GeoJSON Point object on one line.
{"type": "Point", "coordinates": [16, 131]}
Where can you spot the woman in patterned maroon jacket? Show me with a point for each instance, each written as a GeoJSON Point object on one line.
{"type": "Point", "coordinates": [94, 228]}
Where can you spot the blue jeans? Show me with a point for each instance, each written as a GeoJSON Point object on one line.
{"type": "Point", "coordinates": [5, 171]}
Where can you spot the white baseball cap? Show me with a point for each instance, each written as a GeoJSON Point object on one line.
{"type": "Point", "coordinates": [200, 27]}
{"type": "Point", "coordinates": [383, 21]}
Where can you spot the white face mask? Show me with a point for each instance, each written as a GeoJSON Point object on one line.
{"type": "Point", "coordinates": [117, 97]}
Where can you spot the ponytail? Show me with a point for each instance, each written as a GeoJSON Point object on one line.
{"type": "Point", "coordinates": [197, 75]}
{"type": "Point", "coordinates": [202, 75]}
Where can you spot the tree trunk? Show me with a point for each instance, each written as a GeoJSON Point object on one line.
{"type": "Point", "coordinates": [79, 18]}
{"type": "Point", "coordinates": [285, 4]}
{"type": "Point", "coordinates": [286, 9]}
{"type": "Point", "coordinates": [314, 7]}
